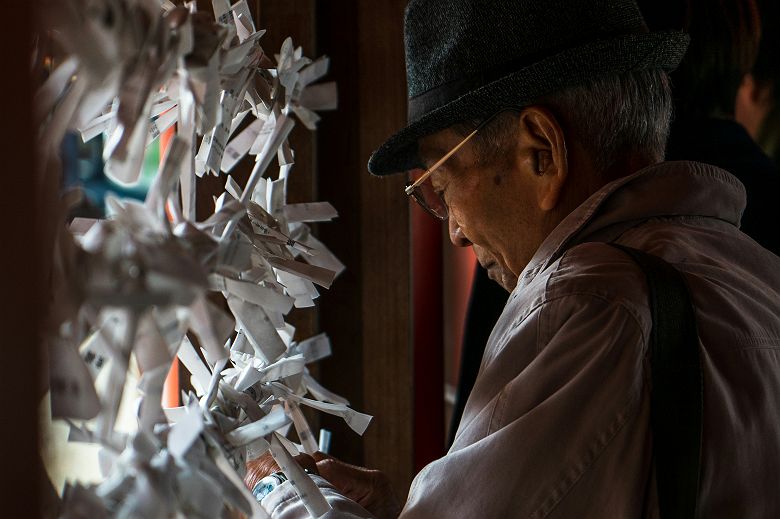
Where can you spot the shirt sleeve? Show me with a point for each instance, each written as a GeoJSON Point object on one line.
{"type": "Point", "coordinates": [283, 503]}
{"type": "Point", "coordinates": [556, 425]}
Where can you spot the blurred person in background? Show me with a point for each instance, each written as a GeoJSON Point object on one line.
{"type": "Point", "coordinates": [757, 106]}
{"type": "Point", "coordinates": [725, 36]}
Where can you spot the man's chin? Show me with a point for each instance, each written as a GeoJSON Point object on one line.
{"type": "Point", "coordinates": [507, 280]}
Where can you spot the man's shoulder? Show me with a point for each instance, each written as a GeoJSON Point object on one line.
{"type": "Point", "coordinates": [586, 272]}
{"type": "Point", "coordinates": [597, 270]}
{"type": "Point", "coordinates": [593, 292]}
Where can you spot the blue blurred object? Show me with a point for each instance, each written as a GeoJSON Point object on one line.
{"type": "Point", "coordinates": [82, 166]}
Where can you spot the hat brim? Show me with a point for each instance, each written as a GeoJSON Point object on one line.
{"type": "Point", "coordinates": [652, 50]}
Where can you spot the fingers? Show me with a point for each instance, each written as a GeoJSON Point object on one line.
{"type": "Point", "coordinates": [353, 482]}
{"type": "Point", "coordinates": [320, 456]}
{"type": "Point", "coordinates": [333, 470]}
{"type": "Point", "coordinates": [369, 488]}
{"type": "Point", "coordinates": [329, 461]}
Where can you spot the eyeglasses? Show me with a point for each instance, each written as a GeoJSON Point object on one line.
{"type": "Point", "coordinates": [421, 188]}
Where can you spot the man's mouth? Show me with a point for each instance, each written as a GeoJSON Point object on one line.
{"type": "Point", "coordinates": [488, 262]}
{"type": "Point", "coordinates": [489, 265]}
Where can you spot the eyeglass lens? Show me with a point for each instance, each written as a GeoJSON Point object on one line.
{"type": "Point", "coordinates": [425, 195]}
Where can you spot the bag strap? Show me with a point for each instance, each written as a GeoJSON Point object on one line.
{"type": "Point", "coordinates": [676, 401]}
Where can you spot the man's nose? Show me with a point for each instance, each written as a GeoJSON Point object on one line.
{"type": "Point", "coordinates": [456, 234]}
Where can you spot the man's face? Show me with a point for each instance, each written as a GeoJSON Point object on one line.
{"type": "Point", "coordinates": [492, 204]}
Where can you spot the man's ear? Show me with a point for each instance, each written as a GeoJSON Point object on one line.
{"type": "Point", "coordinates": [542, 150]}
{"type": "Point", "coordinates": [754, 101]}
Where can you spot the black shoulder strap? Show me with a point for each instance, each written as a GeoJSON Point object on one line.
{"type": "Point", "coordinates": [677, 391]}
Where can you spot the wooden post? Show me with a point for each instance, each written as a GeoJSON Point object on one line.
{"type": "Point", "coordinates": [340, 173]}
{"type": "Point", "coordinates": [388, 353]}
{"type": "Point", "coordinates": [24, 264]}
{"type": "Point", "coordinates": [368, 314]}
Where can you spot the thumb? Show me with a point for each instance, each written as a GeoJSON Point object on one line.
{"type": "Point", "coordinates": [321, 456]}
{"type": "Point", "coordinates": [352, 481]}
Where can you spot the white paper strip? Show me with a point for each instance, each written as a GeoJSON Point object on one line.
{"type": "Point", "coordinates": [311, 212]}
{"type": "Point", "coordinates": [252, 293]}
{"type": "Point", "coordinates": [255, 430]}
{"type": "Point", "coordinates": [258, 328]}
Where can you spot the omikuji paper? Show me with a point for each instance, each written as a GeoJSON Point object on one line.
{"type": "Point", "coordinates": [150, 283]}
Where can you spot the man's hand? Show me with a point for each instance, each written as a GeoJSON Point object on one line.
{"type": "Point", "coordinates": [369, 488]}
{"type": "Point", "coordinates": [265, 466]}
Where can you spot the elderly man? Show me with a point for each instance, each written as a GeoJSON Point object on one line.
{"type": "Point", "coordinates": [536, 131]}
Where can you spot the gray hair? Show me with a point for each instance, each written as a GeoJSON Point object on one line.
{"type": "Point", "coordinates": [613, 116]}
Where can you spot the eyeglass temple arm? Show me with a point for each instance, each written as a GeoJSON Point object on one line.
{"type": "Point", "coordinates": [441, 161]}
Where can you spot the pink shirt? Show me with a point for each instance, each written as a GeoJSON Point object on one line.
{"type": "Point", "coordinates": [557, 425]}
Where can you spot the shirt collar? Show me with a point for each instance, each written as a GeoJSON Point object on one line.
{"type": "Point", "coordinates": [664, 189]}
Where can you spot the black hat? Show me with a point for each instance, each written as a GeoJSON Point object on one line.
{"type": "Point", "coordinates": [466, 59]}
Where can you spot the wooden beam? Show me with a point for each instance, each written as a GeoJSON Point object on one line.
{"type": "Point", "coordinates": [385, 238]}
{"type": "Point", "coordinates": [340, 172]}
{"type": "Point", "coordinates": [27, 209]}
{"type": "Point", "coordinates": [367, 312]}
